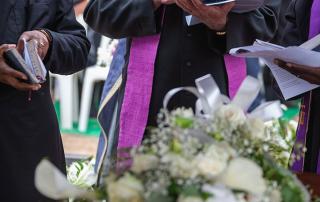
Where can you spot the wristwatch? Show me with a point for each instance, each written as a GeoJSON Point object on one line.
{"type": "Point", "coordinates": [47, 34]}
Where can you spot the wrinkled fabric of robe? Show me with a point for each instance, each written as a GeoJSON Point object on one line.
{"type": "Point", "coordinates": [29, 130]}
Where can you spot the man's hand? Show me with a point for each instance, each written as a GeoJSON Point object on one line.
{"type": "Point", "coordinates": [12, 77]}
{"type": "Point", "coordinates": [41, 40]}
{"type": "Point", "coordinates": [310, 74]}
{"type": "Point", "coordinates": [215, 17]}
{"type": "Point", "coordinates": [158, 3]}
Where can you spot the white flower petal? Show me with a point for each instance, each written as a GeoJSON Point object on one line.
{"type": "Point", "coordinates": [53, 184]}
{"type": "Point", "coordinates": [244, 174]}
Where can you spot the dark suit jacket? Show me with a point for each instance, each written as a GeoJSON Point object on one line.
{"type": "Point", "coordinates": [29, 130]}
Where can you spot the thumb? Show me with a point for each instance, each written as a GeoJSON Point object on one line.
{"type": "Point", "coordinates": [5, 47]}
{"type": "Point", "coordinates": [20, 45]}
{"type": "Point", "coordinates": [228, 6]}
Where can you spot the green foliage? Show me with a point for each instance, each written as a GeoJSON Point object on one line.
{"type": "Point", "coordinates": [290, 189]}
{"type": "Point", "coordinates": [176, 190]}
{"type": "Point", "coordinates": [157, 197]}
{"type": "Point", "coordinates": [217, 136]}
{"type": "Point", "coordinates": [183, 122]}
{"type": "Point", "coordinates": [175, 146]}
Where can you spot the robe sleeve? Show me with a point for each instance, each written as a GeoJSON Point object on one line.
{"type": "Point", "coordinates": [243, 29]}
{"type": "Point", "coordinates": [121, 18]}
{"type": "Point", "coordinates": [292, 33]}
{"type": "Point", "coordinates": [69, 49]}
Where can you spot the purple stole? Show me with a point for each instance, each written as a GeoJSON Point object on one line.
{"type": "Point", "coordinates": [302, 130]}
{"type": "Point", "coordinates": [135, 106]}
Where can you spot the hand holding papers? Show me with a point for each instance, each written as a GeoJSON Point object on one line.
{"type": "Point", "coordinates": [289, 84]}
{"type": "Point", "coordinates": [242, 6]}
{"type": "Point", "coordinates": [215, 17]}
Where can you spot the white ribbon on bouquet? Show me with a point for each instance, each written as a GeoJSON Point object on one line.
{"type": "Point", "coordinates": [210, 98]}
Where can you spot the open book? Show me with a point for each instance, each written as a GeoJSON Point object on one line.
{"type": "Point", "coordinates": [242, 6]}
{"type": "Point", "coordinates": [290, 85]}
{"type": "Point", "coordinates": [29, 63]}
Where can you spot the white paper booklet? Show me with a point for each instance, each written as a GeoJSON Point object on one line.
{"type": "Point", "coordinates": [242, 6]}
{"type": "Point", "coordinates": [290, 85]}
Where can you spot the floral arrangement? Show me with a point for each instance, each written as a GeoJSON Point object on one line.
{"type": "Point", "coordinates": [228, 158]}
{"type": "Point", "coordinates": [225, 157]}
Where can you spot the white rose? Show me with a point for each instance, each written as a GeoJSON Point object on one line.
{"type": "Point", "coordinates": [275, 196]}
{"type": "Point", "coordinates": [213, 161]}
{"type": "Point", "coordinates": [219, 193]}
{"type": "Point", "coordinates": [244, 174]}
{"type": "Point", "coordinates": [232, 115]}
{"type": "Point", "coordinates": [144, 162]}
{"type": "Point", "coordinates": [85, 177]}
{"type": "Point", "coordinates": [189, 199]}
{"type": "Point", "coordinates": [221, 150]}
{"type": "Point", "coordinates": [180, 167]}
{"type": "Point", "coordinates": [256, 128]}
{"type": "Point", "coordinates": [210, 168]}
{"type": "Point", "coordinates": [126, 189]}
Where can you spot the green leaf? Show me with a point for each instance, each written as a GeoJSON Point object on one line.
{"type": "Point", "coordinates": [217, 136]}
{"type": "Point", "coordinates": [174, 189]}
{"type": "Point", "coordinates": [157, 197]}
{"type": "Point", "coordinates": [183, 122]}
{"type": "Point", "coordinates": [176, 146]}
{"type": "Point", "coordinates": [191, 190]}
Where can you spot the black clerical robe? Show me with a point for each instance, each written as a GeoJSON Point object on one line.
{"type": "Point", "coordinates": [295, 33]}
{"type": "Point", "coordinates": [29, 130]}
{"type": "Point", "coordinates": [184, 53]}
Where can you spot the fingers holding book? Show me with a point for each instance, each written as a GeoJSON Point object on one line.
{"type": "Point", "coordinates": [12, 77]}
{"type": "Point", "coordinates": [40, 38]}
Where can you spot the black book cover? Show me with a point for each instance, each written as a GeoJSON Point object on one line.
{"type": "Point", "coordinates": [16, 61]}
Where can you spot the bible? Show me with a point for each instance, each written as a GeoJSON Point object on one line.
{"type": "Point", "coordinates": [29, 64]}
{"type": "Point", "coordinates": [242, 6]}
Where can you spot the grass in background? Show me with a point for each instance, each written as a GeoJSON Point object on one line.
{"type": "Point", "coordinates": [93, 126]}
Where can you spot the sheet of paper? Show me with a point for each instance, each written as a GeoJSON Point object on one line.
{"type": "Point", "coordinates": [242, 6]}
{"type": "Point", "coordinates": [289, 84]}
{"type": "Point", "coordinates": [216, 2]}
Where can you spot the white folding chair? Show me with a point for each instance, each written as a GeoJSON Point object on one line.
{"type": "Point", "coordinates": [93, 74]}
